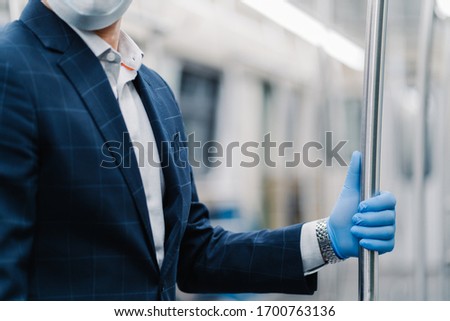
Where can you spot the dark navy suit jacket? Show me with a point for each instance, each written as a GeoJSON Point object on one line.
{"type": "Point", "coordinates": [71, 229]}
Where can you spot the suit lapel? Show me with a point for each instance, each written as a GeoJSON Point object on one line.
{"type": "Point", "coordinates": [153, 107]}
{"type": "Point", "coordinates": [93, 86]}
{"type": "Point", "coordinates": [163, 130]}
{"type": "Point", "coordinates": [86, 74]}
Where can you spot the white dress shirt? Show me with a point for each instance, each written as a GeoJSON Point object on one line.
{"type": "Point", "coordinates": [121, 68]}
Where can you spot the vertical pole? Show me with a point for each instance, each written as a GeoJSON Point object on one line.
{"type": "Point", "coordinates": [445, 196]}
{"type": "Point", "coordinates": [442, 169]}
{"type": "Point", "coordinates": [425, 44]}
{"type": "Point", "coordinates": [371, 133]}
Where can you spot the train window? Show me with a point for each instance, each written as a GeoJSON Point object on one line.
{"type": "Point", "coordinates": [267, 94]}
{"type": "Point", "coordinates": [199, 93]}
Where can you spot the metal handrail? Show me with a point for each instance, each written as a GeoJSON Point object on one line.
{"type": "Point", "coordinates": [425, 44]}
{"type": "Point", "coordinates": [371, 133]}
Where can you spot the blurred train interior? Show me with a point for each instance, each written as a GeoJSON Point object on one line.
{"type": "Point", "coordinates": [291, 71]}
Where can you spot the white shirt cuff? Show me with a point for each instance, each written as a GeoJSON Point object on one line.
{"type": "Point", "coordinates": [309, 246]}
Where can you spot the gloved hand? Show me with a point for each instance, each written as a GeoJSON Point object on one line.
{"type": "Point", "coordinates": [370, 223]}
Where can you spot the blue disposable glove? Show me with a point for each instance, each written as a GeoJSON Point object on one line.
{"type": "Point", "coordinates": [370, 223]}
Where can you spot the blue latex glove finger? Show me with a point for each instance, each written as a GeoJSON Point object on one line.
{"type": "Point", "coordinates": [374, 233]}
{"type": "Point", "coordinates": [352, 180]}
{"type": "Point", "coordinates": [344, 243]}
{"type": "Point", "coordinates": [374, 219]}
{"type": "Point", "coordinates": [378, 245]}
{"type": "Point", "coordinates": [382, 202]}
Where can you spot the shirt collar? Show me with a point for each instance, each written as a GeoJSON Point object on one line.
{"type": "Point", "coordinates": [130, 53]}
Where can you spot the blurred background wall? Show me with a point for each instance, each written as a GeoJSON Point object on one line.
{"type": "Point", "coordinates": [239, 75]}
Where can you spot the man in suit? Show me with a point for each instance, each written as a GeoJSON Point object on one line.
{"type": "Point", "coordinates": [81, 221]}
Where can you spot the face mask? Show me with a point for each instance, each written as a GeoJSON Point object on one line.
{"type": "Point", "coordinates": [90, 14]}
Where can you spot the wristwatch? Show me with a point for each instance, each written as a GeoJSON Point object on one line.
{"type": "Point", "coordinates": [326, 248]}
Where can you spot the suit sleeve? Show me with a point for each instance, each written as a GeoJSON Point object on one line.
{"type": "Point", "coordinates": [213, 260]}
{"type": "Point", "coordinates": [18, 181]}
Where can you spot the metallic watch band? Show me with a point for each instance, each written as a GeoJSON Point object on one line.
{"type": "Point", "coordinates": [326, 249]}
